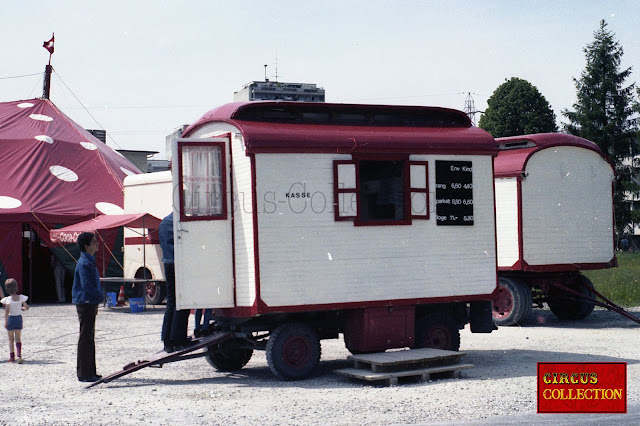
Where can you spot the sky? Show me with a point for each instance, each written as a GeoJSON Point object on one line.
{"type": "Point", "coordinates": [141, 68]}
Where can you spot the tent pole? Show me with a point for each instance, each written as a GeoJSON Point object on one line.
{"type": "Point", "coordinates": [144, 250]}
{"type": "Point", "coordinates": [30, 263]}
{"type": "Point", "coordinates": [104, 244]}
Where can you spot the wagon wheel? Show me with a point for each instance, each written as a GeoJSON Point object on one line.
{"type": "Point", "coordinates": [228, 355]}
{"type": "Point", "coordinates": [569, 307]}
{"type": "Point", "coordinates": [438, 331]}
{"type": "Point", "coordinates": [293, 351]}
{"type": "Point", "coordinates": [154, 293]}
{"type": "Point", "coordinates": [514, 302]}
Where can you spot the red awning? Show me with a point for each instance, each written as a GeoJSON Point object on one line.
{"type": "Point", "coordinates": [69, 234]}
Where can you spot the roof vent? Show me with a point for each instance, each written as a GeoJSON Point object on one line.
{"type": "Point", "coordinates": [516, 144]}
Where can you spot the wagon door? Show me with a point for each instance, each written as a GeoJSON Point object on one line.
{"type": "Point", "coordinates": [202, 223]}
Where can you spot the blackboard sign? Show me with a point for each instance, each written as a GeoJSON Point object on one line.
{"type": "Point", "coordinates": [454, 193]}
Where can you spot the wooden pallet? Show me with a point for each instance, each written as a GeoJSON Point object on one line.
{"type": "Point", "coordinates": [417, 364]}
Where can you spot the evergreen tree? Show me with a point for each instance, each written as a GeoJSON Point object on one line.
{"type": "Point", "coordinates": [516, 107]}
{"type": "Point", "coordinates": [604, 114]}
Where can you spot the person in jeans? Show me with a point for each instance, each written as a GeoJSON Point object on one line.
{"type": "Point", "coordinates": [87, 295]}
{"type": "Point", "coordinates": [175, 322]}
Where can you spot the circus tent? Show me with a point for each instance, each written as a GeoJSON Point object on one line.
{"type": "Point", "coordinates": [54, 173]}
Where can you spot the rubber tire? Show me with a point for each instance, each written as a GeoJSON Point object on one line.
{"type": "Point", "coordinates": [228, 356]}
{"type": "Point", "coordinates": [438, 331]}
{"type": "Point", "coordinates": [158, 293]}
{"type": "Point", "coordinates": [293, 351]}
{"type": "Point", "coordinates": [514, 304]}
{"type": "Point", "coordinates": [565, 307]}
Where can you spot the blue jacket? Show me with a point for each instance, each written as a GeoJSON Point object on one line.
{"type": "Point", "coordinates": [165, 234]}
{"type": "Point", "coordinates": [86, 281]}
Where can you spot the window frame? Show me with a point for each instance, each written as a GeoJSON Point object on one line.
{"type": "Point", "coordinates": [223, 180]}
{"type": "Point", "coordinates": [424, 190]}
{"type": "Point", "coordinates": [408, 190]}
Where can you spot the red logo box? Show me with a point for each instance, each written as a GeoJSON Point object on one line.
{"type": "Point", "coordinates": [582, 387]}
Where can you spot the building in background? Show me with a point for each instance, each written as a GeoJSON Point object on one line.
{"type": "Point", "coordinates": [139, 158]}
{"type": "Point", "coordinates": [158, 165]}
{"type": "Point", "coordinates": [273, 90]}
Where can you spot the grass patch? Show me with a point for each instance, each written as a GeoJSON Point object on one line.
{"type": "Point", "coordinates": [621, 285]}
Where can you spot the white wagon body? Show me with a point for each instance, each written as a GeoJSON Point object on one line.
{"type": "Point", "coordinates": [554, 218]}
{"type": "Point", "coordinates": [553, 204]}
{"type": "Point", "coordinates": [146, 193]}
{"type": "Point", "coordinates": [281, 246]}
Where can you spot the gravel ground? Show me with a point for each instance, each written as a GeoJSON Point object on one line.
{"type": "Point", "coordinates": [502, 383]}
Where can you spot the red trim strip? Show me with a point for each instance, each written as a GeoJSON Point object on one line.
{"type": "Point", "coordinates": [520, 221]}
{"type": "Point", "coordinates": [560, 267]}
{"type": "Point", "coordinates": [261, 308]}
{"type": "Point", "coordinates": [149, 239]}
{"type": "Point", "coordinates": [253, 310]}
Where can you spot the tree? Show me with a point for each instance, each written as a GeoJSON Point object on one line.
{"type": "Point", "coordinates": [604, 113]}
{"type": "Point", "coordinates": [516, 107]}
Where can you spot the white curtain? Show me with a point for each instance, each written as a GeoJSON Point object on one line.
{"type": "Point", "coordinates": [202, 180]}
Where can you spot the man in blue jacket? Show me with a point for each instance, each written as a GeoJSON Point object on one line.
{"type": "Point", "coordinates": [87, 295]}
{"type": "Point", "coordinates": [174, 325]}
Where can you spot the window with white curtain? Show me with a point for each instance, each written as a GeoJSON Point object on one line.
{"type": "Point", "coordinates": [202, 180]}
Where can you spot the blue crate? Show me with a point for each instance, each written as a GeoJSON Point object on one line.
{"type": "Point", "coordinates": [136, 304]}
{"type": "Point", "coordinates": [112, 300]}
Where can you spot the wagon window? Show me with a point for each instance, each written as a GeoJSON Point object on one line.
{"type": "Point", "coordinates": [382, 192]}
{"type": "Point", "coordinates": [202, 181]}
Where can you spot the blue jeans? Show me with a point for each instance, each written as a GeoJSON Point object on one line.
{"type": "Point", "coordinates": [203, 325]}
{"type": "Point", "coordinates": [174, 325]}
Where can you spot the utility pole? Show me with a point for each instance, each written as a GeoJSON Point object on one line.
{"type": "Point", "coordinates": [470, 109]}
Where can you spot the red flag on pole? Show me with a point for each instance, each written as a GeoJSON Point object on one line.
{"type": "Point", "coordinates": [49, 44]}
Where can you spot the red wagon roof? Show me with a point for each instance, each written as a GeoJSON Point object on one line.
{"type": "Point", "coordinates": [344, 128]}
{"type": "Point", "coordinates": [516, 150]}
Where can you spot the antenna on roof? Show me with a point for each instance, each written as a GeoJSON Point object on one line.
{"type": "Point", "coordinates": [265, 74]}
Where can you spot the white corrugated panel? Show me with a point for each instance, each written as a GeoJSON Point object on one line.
{"type": "Point", "coordinates": [306, 257]}
{"type": "Point", "coordinates": [567, 207]}
{"type": "Point", "coordinates": [507, 221]}
{"type": "Point", "coordinates": [243, 225]}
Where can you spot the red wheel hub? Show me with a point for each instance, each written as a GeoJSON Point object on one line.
{"type": "Point", "coordinates": [151, 289]}
{"type": "Point", "coordinates": [503, 304]}
{"type": "Point", "coordinates": [296, 352]}
{"type": "Point", "coordinates": [438, 338]}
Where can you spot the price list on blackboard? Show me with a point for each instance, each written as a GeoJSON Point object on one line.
{"type": "Point", "coordinates": [454, 193]}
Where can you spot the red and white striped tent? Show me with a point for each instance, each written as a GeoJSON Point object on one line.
{"type": "Point", "coordinates": [54, 173]}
